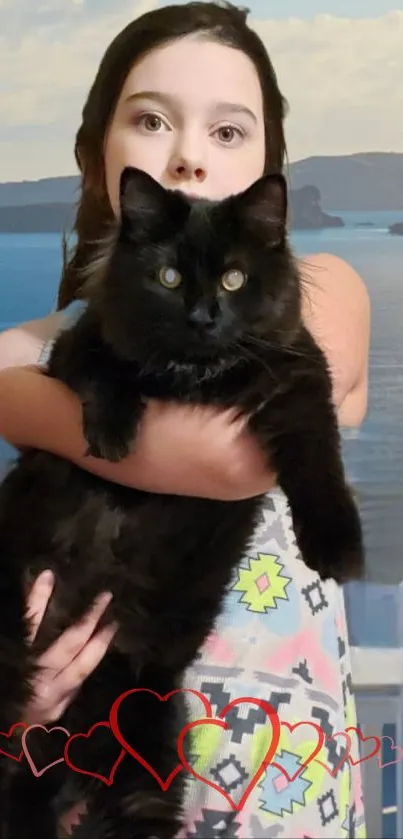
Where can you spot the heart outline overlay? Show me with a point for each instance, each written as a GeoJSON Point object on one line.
{"type": "Point", "coordinates": [333, 772]}
{"type": "Point", "coordinates": [218, 721]}
{"type": "Point", "coordinates": [321, 738]}
{"type": "Point", "coordinates": [113, 721]}
{"type": "Point", "coordinates": [206, 720]}
{"type": "Point", "coordinates": [363, 740]}
{"type": "Point", "coordinates": [25, 748]}
{"type": "Point", "coordinates": [10, 734]}
{"type": "Point", "coordinates": [106, 780]}
{"type": "Point", "coordinates": [394, 748]}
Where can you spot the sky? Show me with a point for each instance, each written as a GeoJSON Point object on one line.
{"type": "Point", "coordinates": [339, 63]}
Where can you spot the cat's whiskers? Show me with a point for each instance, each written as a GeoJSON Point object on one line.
{"type": "Point", "coordinates": [277, 347]}
{"type": "Point", "coordinates": [247, 353]}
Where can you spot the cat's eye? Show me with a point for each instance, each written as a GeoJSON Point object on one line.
{"type": "Point", "coordinates": [233, 280]}
{"type": "Point", "coordinates": [170, 277]}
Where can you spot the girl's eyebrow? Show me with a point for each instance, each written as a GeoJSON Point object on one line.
{"type": "Point", "coordinates": [235, 108]}
{"type": "Point", "coordinates": [171, 101]}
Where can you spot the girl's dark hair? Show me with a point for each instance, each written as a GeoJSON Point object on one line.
{"type": "Point", "coordinates": [221, 22]}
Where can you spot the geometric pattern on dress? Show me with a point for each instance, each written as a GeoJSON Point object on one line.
{"type": "Point", "coordinates": [319, 696]}
{"type": "Point", "coordinates": [306, 642]}
{"type": "Point", "coordinates": [303, 671]}
{"type": "Point", "coordinates": [315, 597]}
{"type": "Point", "coordinates": [349, 683]}
{"type": "Point", "coordinates": [229, 773]}
{"type": "Point", "coordinates": [328, 809]}
{"type": "Point", "coordinates": [273, 831]}
{"type": "Point", "coordinates": [215, 824]}
{"type": "Point", "coordinates": [344, 692]}
{"type": "Point", "coordinates": [241, 725]}
{"type": "Point", "coordinates": [273, 679]}
{"type": "Point", "coordinates": [262, 583]}
{"type": "Point", "coordinates": [218, 697]}
{"type": "Point", "coordinates": [268, 503]}
{"type": "Point", "coordinates": [279, 796]}
{"type": "Point", "coordinates": [274, 530]}
{"type": "Point", "coordinates": [349, 824]}
{"type": "Point", "coordinates": [334, 754]}
{"type": "Point", "coordinates": [342, 646]}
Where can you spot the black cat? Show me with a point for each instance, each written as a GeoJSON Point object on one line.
{"type": "Point", "coordinates": [199, 302]}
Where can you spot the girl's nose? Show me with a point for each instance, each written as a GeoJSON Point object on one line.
{"type": "Point", "coordinates": [186, 162]}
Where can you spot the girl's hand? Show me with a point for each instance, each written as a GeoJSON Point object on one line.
{"type": "Point", "coordinates": [69, 660]}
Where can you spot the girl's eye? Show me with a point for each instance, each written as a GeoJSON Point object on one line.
{"type": "Point", "coordinates": [151, 122]}
{"type": "Point", "coordinates": [233, 280]}
{"type": "Point", "coordinates": [170, 277]}
{"type": "Point", "coordinates": [228, 133]}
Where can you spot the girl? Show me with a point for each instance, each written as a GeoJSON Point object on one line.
{"type": "Point", "coordinates": [188, 94]}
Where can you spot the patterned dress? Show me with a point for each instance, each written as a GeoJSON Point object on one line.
{"type": "Point", "coordinates": [281, 637]}
{"type": "Point", "coordinates": [280, 641]}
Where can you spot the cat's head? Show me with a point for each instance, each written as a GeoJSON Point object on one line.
{"type": "Point", "coordinates": [191, 277]}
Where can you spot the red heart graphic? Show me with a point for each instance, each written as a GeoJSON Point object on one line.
{"type": "Point", "coordinates": [364, 740]}
{"type": "Point", "coordinates": [34, 770]}
{"type": "Point", "coordinates": [394, 748]}
{"type": "Point", "coordinates": [106, 780]}
{"type": "Point", "coordinates": [271, 751]}
{"type": "Point", "coordinates": [333, 772]}
{"type": "Point", "coordinates": [10, 734]}
{"type": "Point", "coordinates": [113, 719]}
{"type": "Point", "coordinates": [311, 757]}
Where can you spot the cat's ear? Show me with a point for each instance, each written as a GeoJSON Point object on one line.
{"type": "Point", "coordinates": [145, 205]}
{"type": "Point", "coordinates": [141, 197]}
{"type": "Point", "coordinates": [262, 209]}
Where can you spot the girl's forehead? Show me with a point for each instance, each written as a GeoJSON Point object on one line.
{"type": "Point", "coordinates": [193, 67]}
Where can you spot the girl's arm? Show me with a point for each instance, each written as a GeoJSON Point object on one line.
{"type": "Point", "coordinates": [179, 449]}
{"type": "Point", "coordinates": [336, 309]}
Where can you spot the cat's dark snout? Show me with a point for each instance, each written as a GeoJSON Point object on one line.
{"type": "Point", "coordinates": [202, 319]}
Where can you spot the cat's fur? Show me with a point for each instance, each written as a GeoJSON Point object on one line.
{"type": "Point", "coordinates": [167, 559]}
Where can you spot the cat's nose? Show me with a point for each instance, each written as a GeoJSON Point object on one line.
{"type": "Point", "coordinates": [201, 318]}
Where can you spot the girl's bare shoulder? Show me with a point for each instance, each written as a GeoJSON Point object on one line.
{"type": "Point", "coordinates": [23, 343]}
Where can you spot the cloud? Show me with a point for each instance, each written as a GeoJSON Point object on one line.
{"type": "Point", "coordinates": [342, 78]}
{"type": "Point", "coordinates": [49, 54]}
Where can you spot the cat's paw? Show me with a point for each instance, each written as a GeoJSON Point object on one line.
{"type": "Point", "coordinates": [107, 440]}
{"type": "Point", "coordinates": [110, 427]}
{"type": "Point", "coordinates": [332, 544]}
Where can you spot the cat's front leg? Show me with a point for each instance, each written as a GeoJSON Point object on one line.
{"type": "Point", "coordinates": [302, 447]}
{"type": "Point", "coordinates": [112, 406]}
{"type": "Point", "coordinates": [111, 416]}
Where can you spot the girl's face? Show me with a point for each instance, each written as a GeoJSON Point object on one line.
{"type": "Point", "coordinates": [191, 115]}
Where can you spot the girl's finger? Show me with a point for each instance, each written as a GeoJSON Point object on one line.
{"type": "Point", "coordinates": [54, 693]}
{"type": "Point", "coordinates": [85, 662]}
{"type": "Point", "coordinates": [62, 652]}
{"type": "Point", "coordinates": [38, 599]}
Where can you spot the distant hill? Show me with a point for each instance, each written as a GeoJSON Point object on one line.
{"type": "Point", "coordinates": [37, 218]}
{"type": "Point", "coordinates": [45, 191]}
{"type": "Point", "coordinates": [305, 214]}
{"type": "Point", "coordinates": [372, 181]}
{"type": "Point", "coordinates": [367, 181]}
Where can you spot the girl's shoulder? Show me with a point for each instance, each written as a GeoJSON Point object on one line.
{"type": "Point", "coordinates": [30, 342]}
{"type": "Point", "coordinates": [62, 320]}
